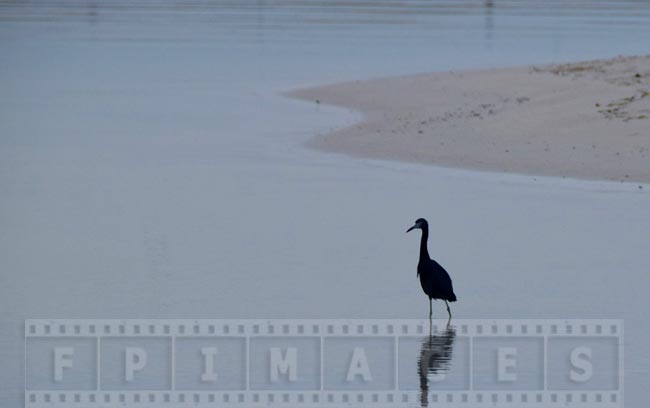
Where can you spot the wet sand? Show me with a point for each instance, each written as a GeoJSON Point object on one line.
{"type": "Point", "coordinates": [588, 120]}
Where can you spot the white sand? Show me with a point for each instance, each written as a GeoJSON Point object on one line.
{"type": "Point", "coordinates": [584, 120]}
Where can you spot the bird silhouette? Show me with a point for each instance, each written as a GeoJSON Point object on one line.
{"type": "Point", "coordinates": [434, 279]}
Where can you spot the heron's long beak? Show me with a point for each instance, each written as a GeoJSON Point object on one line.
{"type": "Point", "coordinates": [412, 228]}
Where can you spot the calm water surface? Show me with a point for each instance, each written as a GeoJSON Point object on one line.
{"type": "Point", "coordinates": [150, 168]}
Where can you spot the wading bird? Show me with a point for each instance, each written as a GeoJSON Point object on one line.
{"type": "Point", "coordinates": [434, 279]}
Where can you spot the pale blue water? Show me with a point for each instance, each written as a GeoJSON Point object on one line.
{"type": "Point", "coordinates": [343, 39]}
{"type": "Point", "coordinates": [149, 168]}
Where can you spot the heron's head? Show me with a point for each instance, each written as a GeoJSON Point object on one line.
{"type": "Point", "coordinates": [420, 223]}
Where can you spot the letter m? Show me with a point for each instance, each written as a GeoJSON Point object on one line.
{"type": "Point", "coordinates": [286, 364]}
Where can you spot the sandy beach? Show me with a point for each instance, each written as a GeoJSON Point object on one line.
{"type": "Point", "coordinates": [588, 120]}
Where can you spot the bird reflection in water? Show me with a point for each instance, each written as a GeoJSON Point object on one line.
{"type": "Point", "coordinates": [435, 359]}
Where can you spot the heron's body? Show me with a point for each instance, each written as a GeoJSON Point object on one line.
{"type": "Point", "coordinates": [434, 279]}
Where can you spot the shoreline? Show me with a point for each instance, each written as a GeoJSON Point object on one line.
{"type": "Point", "coordinates": [585, 120]}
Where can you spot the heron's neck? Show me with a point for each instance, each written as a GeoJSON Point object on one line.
{"type": "Point", "coordinates": [424, 253]}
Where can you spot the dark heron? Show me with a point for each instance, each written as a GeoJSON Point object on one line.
{"type": "Point", "coordinates": [434, 279]}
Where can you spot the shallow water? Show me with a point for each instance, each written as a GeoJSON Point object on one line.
{"type": "Point", "coordinates": [150, 168]}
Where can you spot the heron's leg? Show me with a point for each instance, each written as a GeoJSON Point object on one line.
{"type": "Point", "coordinates": [430, 309]}
{"type": "Point", "coordinates": [448, 310]}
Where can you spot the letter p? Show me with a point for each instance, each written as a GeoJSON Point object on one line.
{"type": "Point", "coordinates": [135, 359]}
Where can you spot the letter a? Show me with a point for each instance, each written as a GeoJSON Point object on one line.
{"type": "Point", "coordinates": [359, 366]}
